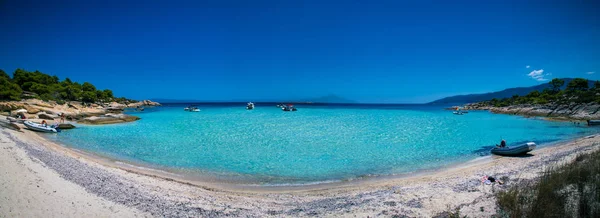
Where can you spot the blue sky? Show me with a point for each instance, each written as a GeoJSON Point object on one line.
{"type": "Point", "coordinates": [368, 51]}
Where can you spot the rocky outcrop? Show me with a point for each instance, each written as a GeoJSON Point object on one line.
{"type": "Point", "coordinates": [73, 110]}
{"type": "Point", "coordinates": [46, 116]}
{"type": "Point", "coordinates": [11, 106]}
{"type": "Point", "coordinates": [32, 110]}
{"type": "Point", "coordinates": [114, 106]}
{"type": "Point", "coordinates": [143, 103]}
{"type": "Point", "coordinates": [572, 111]}
{"type": "Point", "coordinates": [109, 119]}
{"type": "Point", "coordinates": [66, 126]}
{"type": "Point", "coordinates": [38, 102]}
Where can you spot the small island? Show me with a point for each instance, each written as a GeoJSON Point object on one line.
{"type": "Point", "coordinates": [36, 95]}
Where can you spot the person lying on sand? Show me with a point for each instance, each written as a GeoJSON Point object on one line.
{"type": "Point", "coordinates": [488, 180]}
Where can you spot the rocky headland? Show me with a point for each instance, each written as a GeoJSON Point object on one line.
{"type": "Point", "coordinates": [97, 113]}
{"type": "Point", "coordinates": [573, 111]}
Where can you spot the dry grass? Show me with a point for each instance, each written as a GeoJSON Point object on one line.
{"type": "Point", "coordinates": [571, 190]}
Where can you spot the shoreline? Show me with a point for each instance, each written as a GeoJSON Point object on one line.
{"type": "Point", "coordinates": [424, 193]}
{"type": "Point", "coordinates": [567, 113]}
{"type": "Point", "coordinates": [211, 180]}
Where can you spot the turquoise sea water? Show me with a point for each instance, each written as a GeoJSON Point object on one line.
{"type": "Point", "coordinates": [313, 144]}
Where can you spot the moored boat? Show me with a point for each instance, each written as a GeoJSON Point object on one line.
{"type": "Point", "coordinates": [250, 106]}
{"type": "Point", "coordinates": [593, 122]}
{"type": "Point", "coordinates": [41, 127]}
{"type": "Point", "coordinates": [514, 150]}
{"type": "Point", "coordinates": [289, 107]}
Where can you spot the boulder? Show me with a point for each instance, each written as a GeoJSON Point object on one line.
{"type": "Point", "coordinates": [115, 107]}
{"type": "Point", "coordinates": [46, 116]}
{"type": "Point", "coordinates": [143, 103]}
{"type": "Point", "coordinates": [75, 105]}
{"type": "Point", "coordinates": [38, 102]}
{"type": "Point", "coordinates": [66, 126]}
{"type": "Point", "coordinates": [109, 119]}
{"type": "Point", "coordinates": [32, 110]}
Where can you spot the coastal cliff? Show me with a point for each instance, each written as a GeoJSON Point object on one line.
{"type": "Point", "coordinates": [588, 111]}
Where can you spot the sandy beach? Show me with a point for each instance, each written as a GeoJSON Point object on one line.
{"type": "Point", "coordinates": [40, 177]}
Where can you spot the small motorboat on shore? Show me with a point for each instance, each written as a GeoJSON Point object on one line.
{"type": "Point", "coordinates": [514, 150]}
{"type": "Point", "coordinates": [41, 127]}
{"type": "Point", "coordinates": [250, 106]}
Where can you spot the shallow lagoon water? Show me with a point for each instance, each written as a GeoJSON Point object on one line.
{"type": "Point", "coordinates": [314, 144]}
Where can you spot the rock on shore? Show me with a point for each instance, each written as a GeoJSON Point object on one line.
{"type": "Point", "coordinates": [75, 111]}
{"type": "Point", "coordinates": [143, 103]}
{"type": "Point", "coordinates": [572, 111]}
{"type": "Point", "coordinates": [109, 119]}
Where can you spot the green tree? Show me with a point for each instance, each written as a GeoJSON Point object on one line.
{"type": "Point", "coordinates": [88, 87]}
{"type": "Point", "coordinates": [89, 96]}
{"type": "Point", "coordinates": [9, 90]}
{"type": "Point", "coordinates": [4, 75]}
{"type": "Point", "coordinates": [578, 84]}
{"type": "Point", "coordinates": [556, 83]}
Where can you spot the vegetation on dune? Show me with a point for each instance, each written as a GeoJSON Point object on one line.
{"type": "Point", "coordinates": [571, 190]}
{"type": "Point", "coordinates": [36, 84]}
{"type": "Point", "coordinates": [576, 91]}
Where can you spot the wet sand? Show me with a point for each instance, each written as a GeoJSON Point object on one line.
{"type": "Point", "coordinates": [86, 185]}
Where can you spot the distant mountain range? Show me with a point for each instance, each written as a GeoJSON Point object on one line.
{"type": "Point", "coordinates": [330, 99]}
{"type": "Point", "coordinates": [507, 93]}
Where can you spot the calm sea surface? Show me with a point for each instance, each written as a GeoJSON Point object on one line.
{"type": "Point", "coordinates": [314, 144]}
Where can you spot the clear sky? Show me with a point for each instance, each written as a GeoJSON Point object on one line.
{"type": "Point", "coordinates": [367, 51]}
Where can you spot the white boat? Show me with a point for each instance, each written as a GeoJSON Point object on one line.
{"type": "Point", "coordinates": [186, 109]}
{"type": "Point", "coordinates": [250, 106]}
{"type": "Point", "coordinates": [458, 112]}
{"type": "Point", "coordinates": [40, 127]}
{"type": "Point", "coordinates": [514, 150]}
{"type": "Point", "coordinates": [195, 109]}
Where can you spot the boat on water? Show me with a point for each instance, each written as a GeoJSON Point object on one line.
{"type": "Point", "coordinates": [289, 107]}
{"type": "Point", "coordinates": [192, 108]}
{"type": "Point", "coordinates": [457, 113]}
{"type": "Point", "coordinates": [250, 106]}
{"type": "Point", "coordinates": [593, 122]}
{"type": "Point", "coordinates": [41, 127]}
{"type": "Point", "coordinates": [514, 150]}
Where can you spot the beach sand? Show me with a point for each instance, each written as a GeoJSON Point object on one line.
{"type": "Point", "coordinates": [41, 178]}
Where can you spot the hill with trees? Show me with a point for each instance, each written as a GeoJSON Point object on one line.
{"type": "Point", "coordinates": [25, 84]}
{"type": "Point", "coordinates": [577, 90]}
{"type": "Point", "coordinates": [577, 101]}
{"type": "Point", "coordinates": [506, 93]}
